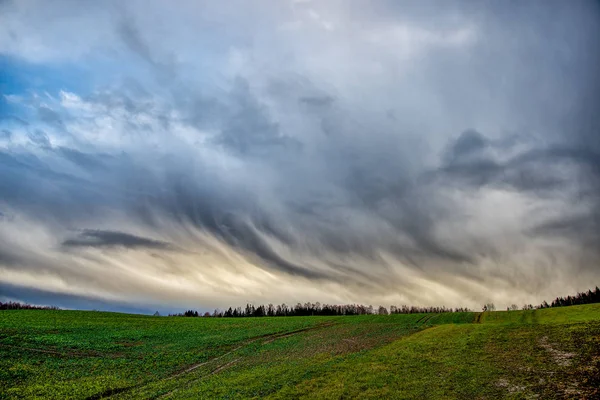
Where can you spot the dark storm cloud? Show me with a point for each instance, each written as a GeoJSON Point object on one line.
{"type": "Point", "coordinates": [201, 202]}
{"type": "Point", "coordinates": [40, 138]}
{"type": "Point", "coordinates": [131, 37]}
{"type": "Point", "coordinates": [7, 258]}
{"type": "Point", "coordinates": [227, 214]}
{"type": "Point", "coordinates": [100, 238]}
{"type": "Point", "coordinates": [241, 235]}
{"type": "Point", "coordinates": [37, 187]}
{"type": "Point", "coordinates": [571, 168]}
{"type": "Point", "coordinates": [338, 167]}
{"type": "Point", "coordinates": [83, 160]}
{"type": "Point", "coordinates": [248, 129]}
{"type": "Point", "coordinates": [50, 117]}
{"type": "Point", "coordinates": [317, 101]}
{"type": "Point", "coordinates": [469, 143]}
{"type": "Point", "coordinates": [535, 170]}
{"type": "Point", "coordinates": [577, 227]}
{"type": "Point", "coordinates": [127, 30]}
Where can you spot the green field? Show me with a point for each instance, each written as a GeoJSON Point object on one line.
{"type": "Point", "coordinates": [548, 353]}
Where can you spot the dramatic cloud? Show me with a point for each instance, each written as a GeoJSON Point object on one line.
{"type": "Point", "coordinates": [97, 238]}
{"type": "Point", "coordinates": [213, 154]}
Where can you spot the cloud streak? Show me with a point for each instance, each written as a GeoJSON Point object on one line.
{"type": "Point", "coordinates": [99, 238]}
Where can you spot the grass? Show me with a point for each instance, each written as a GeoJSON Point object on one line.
{"type": "Point", "coordinates": [550, 353]}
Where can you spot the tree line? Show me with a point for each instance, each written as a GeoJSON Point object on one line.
{"type": "Point", "coordinates": [308, 309]}
{"type": "Point", "coordinates": [588, 297]}
{"type": "Point", "coordinates": [318, 309]}
{"type": "Point", "coordinates": [13, 305]}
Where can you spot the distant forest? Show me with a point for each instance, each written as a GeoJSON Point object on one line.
{"type": "Point", "coordinates": [13, 305]}
{"type": "Point", "coordinates": [580, 298]}
{"type": "Point", "coordinates": [308, 309]}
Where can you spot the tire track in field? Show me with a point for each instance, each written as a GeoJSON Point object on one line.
{"type": "Point", "coordinates": [423, 320]}
{"type": "Point", "coordinates": [110, 392]}
{"type": "Point", "coordinates": [478, 318]}
{"type": "Point", "coordinates": [213, 372]}
{"type": "Point", "coordinates": [66, 353]}
{"type": "Point", "coordinates": [270, 336]}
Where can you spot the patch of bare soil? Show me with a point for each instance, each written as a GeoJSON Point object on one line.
{"type": "Point", "coordinates": [580, 375]}
{"type": "Point", "coordinates": [562, 358]}
{"type": "Point", "coordinates": [504, 383]}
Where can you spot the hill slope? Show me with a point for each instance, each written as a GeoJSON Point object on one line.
{"type": "Point", "coordinates": [550, 353]}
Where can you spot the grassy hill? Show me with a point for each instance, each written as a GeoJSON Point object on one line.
{"type": "Point", "coordinates": [547, 353]}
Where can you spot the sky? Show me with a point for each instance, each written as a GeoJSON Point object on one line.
{"type": "Point", "coordinates": [195, 154]}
